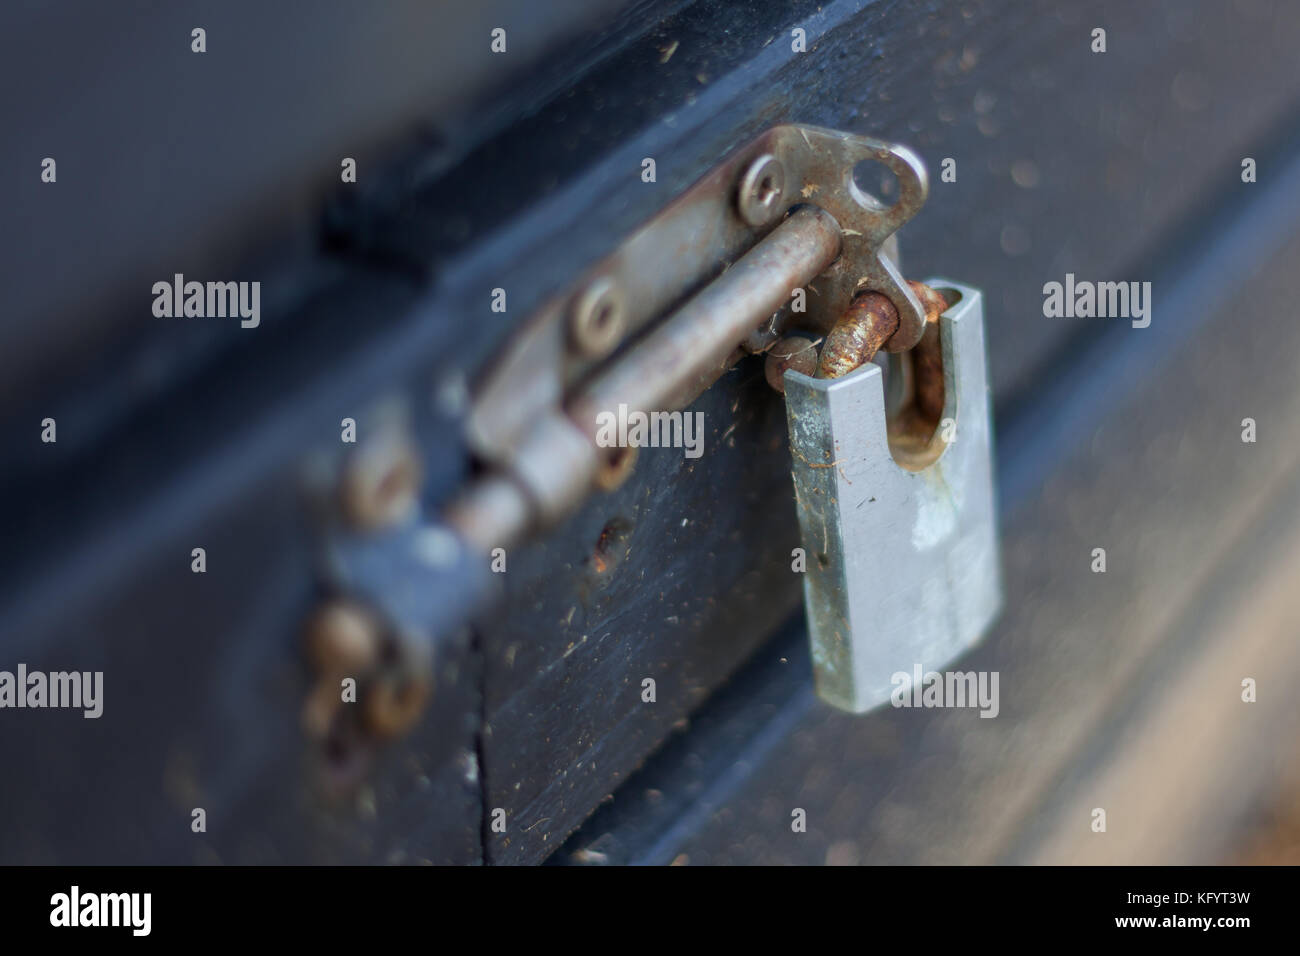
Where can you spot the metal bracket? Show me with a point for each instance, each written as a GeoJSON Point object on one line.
{"type": "Point", "coordinates": [824, 162]}
{"type": "Point", "coordinates": [689, 244]}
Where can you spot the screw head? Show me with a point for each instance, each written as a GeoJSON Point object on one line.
{"type": "Point", "coordinates": [599, 318]}
{"type": "Point", "coordinates": [761, 188]}
{"type": "Point", "coordinates": [342, 638]}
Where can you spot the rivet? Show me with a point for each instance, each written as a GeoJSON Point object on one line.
{"type": "Point", "coordinates": [599, 319]}
{"type": "Point", "coordinates": [761, 188]}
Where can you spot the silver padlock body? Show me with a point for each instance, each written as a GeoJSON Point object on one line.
{"type": "Point", "coordinates": [902, 565]}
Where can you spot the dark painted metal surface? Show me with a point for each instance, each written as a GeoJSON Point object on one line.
{"type": "Point", "coordinates": [204, 672]}
{"type": "Point", "coordinates": [654, 581]}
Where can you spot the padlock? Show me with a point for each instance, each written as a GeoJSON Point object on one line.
{"type": "Point", "coordinates": [900, 535]}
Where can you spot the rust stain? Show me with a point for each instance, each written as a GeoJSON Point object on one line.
{"type": "Point", "coordinates": [869, 322]}
{"type": "Point", "coordinates": [927, 356]}
{"type": "Point", "coordinates": [866, 325]}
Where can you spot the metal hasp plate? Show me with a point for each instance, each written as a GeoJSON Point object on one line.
{"type": "Point", "coordinates": [902, 561]}
{"type": "Point", "coordinates": [710, 279]}
{"type": "Point", "coordinates": [690, 243]}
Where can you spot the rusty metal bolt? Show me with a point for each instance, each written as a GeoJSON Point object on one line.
{"type": "Point", "coordinates": [761, 188]}
{"type": "Point", "coordinates": [381, 481]}
{"type": "Point", "coordinates": [869, 322]}
{"type": "Point", "coordinates": [865, 326]}
{"type": "Point", "coordinates": [342, 639]}
{"type": "Point", "coordinates": [393, 702]}
{"type": "Point", "coordinates": [599, 319]}
{"type": "Point", "coordinates": [793, 351]}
